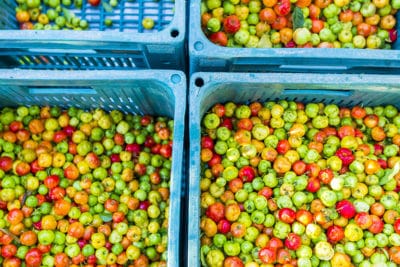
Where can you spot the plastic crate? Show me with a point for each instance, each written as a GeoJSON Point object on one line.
{"type": "Point", "coordinates": [161, 93]}
{"type": "Point", "coordinates": [206, 56]}
{"type": "Point", "coordinates": [125, 45]}
{"type": "Point", "coordinates": [207, 89]}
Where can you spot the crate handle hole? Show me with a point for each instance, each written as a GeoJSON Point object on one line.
{"type": "Point", "coordinates": [174, 33]}
{"type": "Point", "coordinates": [199, 82]}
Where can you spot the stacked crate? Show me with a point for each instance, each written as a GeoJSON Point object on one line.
{"type": "Point", "coordinates": [125, 44]}
{"type": "Point", "coordinates": [117, 63]}
{"type": "Point", "coordinates": [219, 74]}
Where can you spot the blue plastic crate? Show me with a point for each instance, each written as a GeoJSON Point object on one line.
{"type": "Point", "coordinates": [206, 56]}
{"type": "Point", "coordinates": [124, 45]}
{"type": "Point", "coordinates": [161, 93]}
{"type": "Point", "coordinates": [207, 89]}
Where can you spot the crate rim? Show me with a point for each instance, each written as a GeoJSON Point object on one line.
{"type": "Point", "coordinates": [173, 78]}
{"type": "Point", "coordinates": [196, 93]}
{"type": "Point", "coordinates": [276, 77]}
{"type": "Point", "coordinates": [176, 80]}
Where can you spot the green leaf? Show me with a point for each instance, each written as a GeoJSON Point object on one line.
{"type": "Point", "coordinates": [389, 174]}
{"type": "Point", "coordinates": [107, 7]}
{"type": "Point", "coordinates": [106, 217]}
{"type": "Point", "coordinates": [5, 231]}
{"type": "Point", "coordinates": [203, 251]}
{"type": "Point", "coordinates": [265, 41]}
{"type": "Point", "coordinates": [25, 196]}
{"type": "Point", "coordinates": [298, 18]}
{"type": "Point", "coordinates": [385, 178]}
{"type": "Point", "coordinates": [69, 15]}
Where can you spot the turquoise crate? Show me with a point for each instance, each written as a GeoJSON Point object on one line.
{"type": "Point", "coordinates": [206, 56]}
{"type": "Point", "coordinates": [125, 45]}
{"type": "Point", "coordinates": [207, 89]}
{"type": "Point", "coordinates": [161, 93]}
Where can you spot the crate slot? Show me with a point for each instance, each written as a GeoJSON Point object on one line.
{"type": "Point", "coordinates": [61, 91]}
{"type": "Point", "coordinates": [328, 93]}
{"type": "Point", "coordinates": [311, 67]}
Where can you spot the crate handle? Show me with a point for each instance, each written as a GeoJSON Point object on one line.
{"type": "Point", "coordinates": [62, 91]}
{"type": "Point", "coordinates": [308, 67]}
{"type": "Point", "coordinates": [307, 92]}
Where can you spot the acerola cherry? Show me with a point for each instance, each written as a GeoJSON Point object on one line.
{"type": "Point", "coordinates": [231, 24]}
{"type": "Point", "coordinates": [287, 215]}
{"type": "Point", "coordinates": [345, 155]}
{"type": "Point", "coordinates": [346, 209]}
{"type": "Point", "coordinates": [396, 226]}
{"type": "Point", "coordinates": [207, 142]}
{"type": "Point", "coordinates": [335, 233]}
{"type": "Point", "coordinates": [313, 185]}
{"type": "Point", "coordinates": [216, 211]}
{"type": "Point", "coordinates": [224, 226]}
{"type": "Point", "coordinates": [247, 174]}
{"type": "Point", "coordinates": [219, 38]}
{"type": "Point", "coordinates": [293, 241]}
